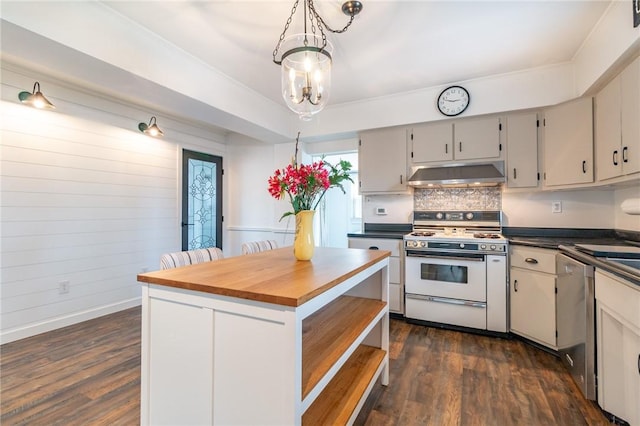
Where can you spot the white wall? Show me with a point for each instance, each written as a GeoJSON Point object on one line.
{"type": "Point", "coordinates": [593, 208]}
{"type": "Point", "coordinates": [85, 198]}
{"type": "Point", "coordinates": [253, 213]}
{"type": "Point", "coordinates": [580, 209]}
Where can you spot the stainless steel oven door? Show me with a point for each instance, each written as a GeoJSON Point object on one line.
{"type": "Point", "coordinates": [450, 275]}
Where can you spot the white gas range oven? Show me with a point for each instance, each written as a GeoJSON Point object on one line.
{"type": "Point", "coordinates": [456, 270]}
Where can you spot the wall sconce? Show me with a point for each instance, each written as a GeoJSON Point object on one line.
{"type": "Point", "coordinates": [151, 129]}
{"type": "Point", "coordinates": [35, 99]}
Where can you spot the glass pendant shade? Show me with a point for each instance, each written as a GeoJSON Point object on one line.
{"type": "Point", "coordinates": [306, 74]}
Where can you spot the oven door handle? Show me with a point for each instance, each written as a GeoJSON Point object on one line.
{"type": "Point", "coordinates": [449, 301]}
{"type": "Point", "coordinates": [479, 258]}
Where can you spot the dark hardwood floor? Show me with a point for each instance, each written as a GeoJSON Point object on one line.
{"type": "Point", "coordinates": [89, 373]}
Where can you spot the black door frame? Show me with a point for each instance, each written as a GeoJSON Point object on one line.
{"type": "Point", "coordinates": [186, 156]}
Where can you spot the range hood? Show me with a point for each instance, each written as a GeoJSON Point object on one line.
{"type": "Point", "coordinates": [469, 174]}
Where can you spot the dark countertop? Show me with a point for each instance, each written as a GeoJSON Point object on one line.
{"type": "Point", "coordinates": [631, 275]}
{"type": "Point", "coordinates": [383, 230]}
{"type": "Point", "coordinates": [565, 240]}
{"type": "Point", "coordinates": [555, 242]}
{"type": "Point", "coordinates": [552, 238]}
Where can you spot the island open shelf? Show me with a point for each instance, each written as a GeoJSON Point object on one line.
{"type": "Point", "coordinates": [265, 339]}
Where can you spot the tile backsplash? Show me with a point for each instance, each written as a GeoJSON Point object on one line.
{"type": "Point", "coordinates": [482, 198]}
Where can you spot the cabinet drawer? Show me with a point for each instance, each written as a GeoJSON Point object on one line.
{"type": "Point", "coordinates": [534, 259]}
{"type": "Point", "coordinates": [619, 297]}
{"type": "Point", "coordinates": [381, 243]}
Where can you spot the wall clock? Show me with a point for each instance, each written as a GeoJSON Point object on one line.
{"type": "Point", "coordinates": [453, 100]}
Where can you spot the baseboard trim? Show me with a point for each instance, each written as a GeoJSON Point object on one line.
{"type": "Point", "coordinates": [12, 335]}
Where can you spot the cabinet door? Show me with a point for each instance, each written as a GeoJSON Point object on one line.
{"type": "Point", "coordinates": [533, 306]}
{"type": "Point", "coordinates": [608, 131]}
{"type": "Point", "coordinates": [568, 143]}
{"type": "Point", "coordinates": [618, 367]}
{"type": "Point", "coordinates": [630, 81]}
{"type": "Point", "coordinates": [522, 151]}
{"type": "Point", "coordinates": [432, 142]}
{"type": "Point", "coordinates": [477, 138]}
{"type": "Point", "coordinates": [383, 161]}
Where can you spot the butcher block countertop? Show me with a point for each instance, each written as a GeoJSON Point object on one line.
{"type": "Point", "coordinates": [273, 276]}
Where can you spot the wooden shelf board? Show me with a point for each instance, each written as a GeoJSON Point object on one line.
{"type": "Point", "coordinates": [328, 333]}
{"type": "Point", "coordinates": [336, 403]}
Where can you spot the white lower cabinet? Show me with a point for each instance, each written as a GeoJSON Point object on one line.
{"type": "Point", "coordinates": [618, 346]}
{"type": "Point", "coordinates": [533, 294]}
{"type": "Point", "coordinates": [396, 268]}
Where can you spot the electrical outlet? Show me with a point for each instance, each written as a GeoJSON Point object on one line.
{"type": "Point", "coordinates": [556, 207]}
{"type": "Point", "coordinates": [63, 287]}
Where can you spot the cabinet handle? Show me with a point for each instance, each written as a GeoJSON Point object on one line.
{"type": "Point", "coordinates": [446, 148]}
{"type": "Point", "coordinates": [374, 248]}
{"type": "Point", "coordinates": [514, 173]}
{"type": "Point", "coordinates": [638, 363]}
{"type": "Point", "coordinates": [400, 179]}
{"type": "Point", "coordinates": [515, 285]}
{"type": "Point", "coordinates": [584, 167]}
{"type": "Point", "coordinates": [531, 260]}
{"type": "Point", "coordinates": [625, 159]}
{"type": "Point", "coordinates": [615, 157]}
{"type": "Point", "coordinates": [460, 146]}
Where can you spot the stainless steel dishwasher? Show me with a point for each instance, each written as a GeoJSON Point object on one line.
{"type": "Point", "coordinates": [575, 319]}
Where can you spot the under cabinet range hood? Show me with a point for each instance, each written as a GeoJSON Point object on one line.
{"type": "Point", "coordinates": [469, 174]}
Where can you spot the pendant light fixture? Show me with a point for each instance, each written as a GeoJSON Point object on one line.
{"type": "Point", "coordinates": [35, 99]}
{"type": "Point", "coordinates": [151, 129]}
{"type": "Point", "coordinates": [306, 61]}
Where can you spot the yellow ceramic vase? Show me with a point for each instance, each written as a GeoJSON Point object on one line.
{"type": "Point", "coordinates": [303, 243]}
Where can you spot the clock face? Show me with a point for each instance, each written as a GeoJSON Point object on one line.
{"type": "Point", "coordinates": [453, 100]}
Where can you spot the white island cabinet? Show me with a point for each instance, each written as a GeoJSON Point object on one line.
{"type": "Point", "coordinates": [264, 339]}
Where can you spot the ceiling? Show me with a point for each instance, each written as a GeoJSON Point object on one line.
{"type": "Point", "coordinates": [210, 62]}
{"type": "Point", "coordinates": [392, 47]}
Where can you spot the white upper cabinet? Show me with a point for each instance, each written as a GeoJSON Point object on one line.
{"type": "Point", "coordinates": [630, 80]}
{"type": "Point", "coordinates": [617, 125]}
{"type": "Point", "coordinates": [464, 139]}
{"type": "Point", "coordinates": [432, 142]}
{"type": "Point", "coordinates": [568, 143]}
{"type": "Point", "coordinates": [522, 150]}
{"type": "Point", "coordinates": [477, 138]}
{"type": "Point", "coordinates": [383, 161]}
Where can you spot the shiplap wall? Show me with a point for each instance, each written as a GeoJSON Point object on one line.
{"type": "Point", "coordinates": [83, 200]}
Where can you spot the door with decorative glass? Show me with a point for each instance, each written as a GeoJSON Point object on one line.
{"type": "Point", "coordinates": [201, 200]}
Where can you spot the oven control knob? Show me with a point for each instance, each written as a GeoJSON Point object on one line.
{"type": "Point", "coordinates": [461, 245]}
{"type": "Point", "coordinates": [423, 244]}
{"type": "Point", "coordinates": [492, 247]}
{"type": "Point", "coordinates": [469, 216]}
{"type": "Point", "coordinates": [483, 246]}
{"type": "Point", "coordinates": [439, 215]}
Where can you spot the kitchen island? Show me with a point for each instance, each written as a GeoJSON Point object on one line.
{"type": "Point", "coordinates": [265, 339]}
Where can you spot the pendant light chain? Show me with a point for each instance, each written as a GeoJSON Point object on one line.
{"type": "Point", "coordinates": [286, 27]}
{"type": "Point", "coordinates": [319, 22]}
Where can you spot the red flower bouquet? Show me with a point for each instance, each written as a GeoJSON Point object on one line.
{"type": "Point", "coordinates": [306, 184]}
